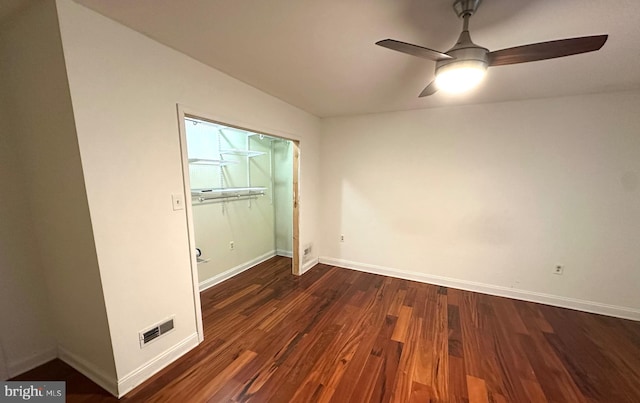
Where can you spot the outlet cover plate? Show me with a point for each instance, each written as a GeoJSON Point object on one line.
{"type": "Point", "coordinates": [178, 201]}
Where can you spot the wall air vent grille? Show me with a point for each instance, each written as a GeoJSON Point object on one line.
{"type": "Point", "coordinates": [166, 326]}
{"type": "Point", "coordinates": [147, 336]}
{"type": "Point", "coordinates": [150, 335]}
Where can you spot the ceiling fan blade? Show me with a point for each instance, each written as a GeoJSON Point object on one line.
{"type": "Point", "coordinates": [413, 50]}
{"type": "Point", "coordinates": [429, 90]}
{"type": "Point", "coordinates": [546, 50]}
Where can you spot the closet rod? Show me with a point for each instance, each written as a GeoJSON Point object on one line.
{"type": "Point", "coordinates": [227, 198]}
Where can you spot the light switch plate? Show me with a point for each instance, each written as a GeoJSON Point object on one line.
{"type": "Point", "coordinates": [178, 201]}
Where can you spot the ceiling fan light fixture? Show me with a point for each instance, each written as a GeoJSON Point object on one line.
{"type": "Point", "coordinates": [463, 67]}
{"type": "Point", "coordinates": [461, 76]}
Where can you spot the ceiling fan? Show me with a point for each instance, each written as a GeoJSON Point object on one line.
{"type": "Point", "coordinates": [464, 65]}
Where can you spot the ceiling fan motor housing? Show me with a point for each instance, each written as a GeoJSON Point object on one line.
{"type": "Point", "coordinates": [464, 51]}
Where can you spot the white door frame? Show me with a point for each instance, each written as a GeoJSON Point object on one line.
{"type": "Point", "coordinates": [184, 112]}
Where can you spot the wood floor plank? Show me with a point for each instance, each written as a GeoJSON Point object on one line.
{"type": "Point", "coordinates": [391, 354]}
{"type": "Point", "coordinates": [534, 391]}
{"type": "Point", "coordinates": [364, 389]}
{"type": "Point", "coordinates": [532, 318]}
{"type": "Point", "coordinates": [457, 381]}
{"type": "Point", "coordinates": [257, 373]}
{"type": "Point", "coordinates": [595, 385]}
{"type": "Point", "coordinates": [509, 363]}
{"type": "Point", "coordinates": [453, 323]}
{"type": "Point", "coordinates": [394, 309]}
{"type": "Point", "coordinates": [553, 377]}
{"type": "Point", "coordinates": [217, 382]}
{"type": "Point", "coordinates": [454, 296]}
{"type": "Point", "coordinates": [364, 335]}
{"type": "Point", "coordinates": [477, 390]}
{"type": "Point", "coordinates": [346, 336]}
{"type": "Point", "coordinates": [404, 379]}
{"type": "Point", "coordinates": [616, 348]}
{"type": "Point", "coordinates": [432, 357]}
{"type": "Point", "coordinates": [420, 393]}
{"type": "Point", "coordinates": [506, 311]}
{"type": "Point", "coordinates": [472, 336]}
{"type": "Point", "coordinates": [402, 325]}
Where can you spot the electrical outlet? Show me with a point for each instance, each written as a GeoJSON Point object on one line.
{"type": "Point", "coordinates": [342, 238]}
{"type": "Point", "coordinates": [559, 269]}
{"type": "Point", "coordinates": [232, 245]}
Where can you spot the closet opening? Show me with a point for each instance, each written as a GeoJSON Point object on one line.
{"type": "Point", "coordinates": [241, 187]}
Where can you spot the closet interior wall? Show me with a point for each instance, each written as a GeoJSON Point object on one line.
{"type": "Point", "coordinates": [283, 196]}
{"type": "Point", "coordinates": [241, 184]}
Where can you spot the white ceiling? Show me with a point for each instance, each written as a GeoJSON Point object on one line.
{"type": "Point", "coordinates": [320, 55]}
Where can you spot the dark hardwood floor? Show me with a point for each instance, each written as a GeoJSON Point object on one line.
{"type": "Point", "coordinates": [344, 336]}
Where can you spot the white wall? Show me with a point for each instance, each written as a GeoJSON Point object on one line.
{"type": "Point", "coordinates": [124, 89]}
{"type": "Point", "coordinates": [493, 195]}
{"type": "Point", "coordinates": [48, 229]}
{"type": "Point", "coordinates": [26, 336]}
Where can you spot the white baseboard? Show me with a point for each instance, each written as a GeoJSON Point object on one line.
{"type": "Point", "coordinates": [146, 371]}
{"type": "Point", "coordinates": [108, 383]}
{"type": "Point", "coordinates": [28, 363]}
{"type": "Point", "coordinates": [219, 278]}
{"type": "Point", "coordinates": [285, 253]}
{"type": "Point", "coordinates": [308, 265]}
{"type": "Point", "coordinates": [531, 296]}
